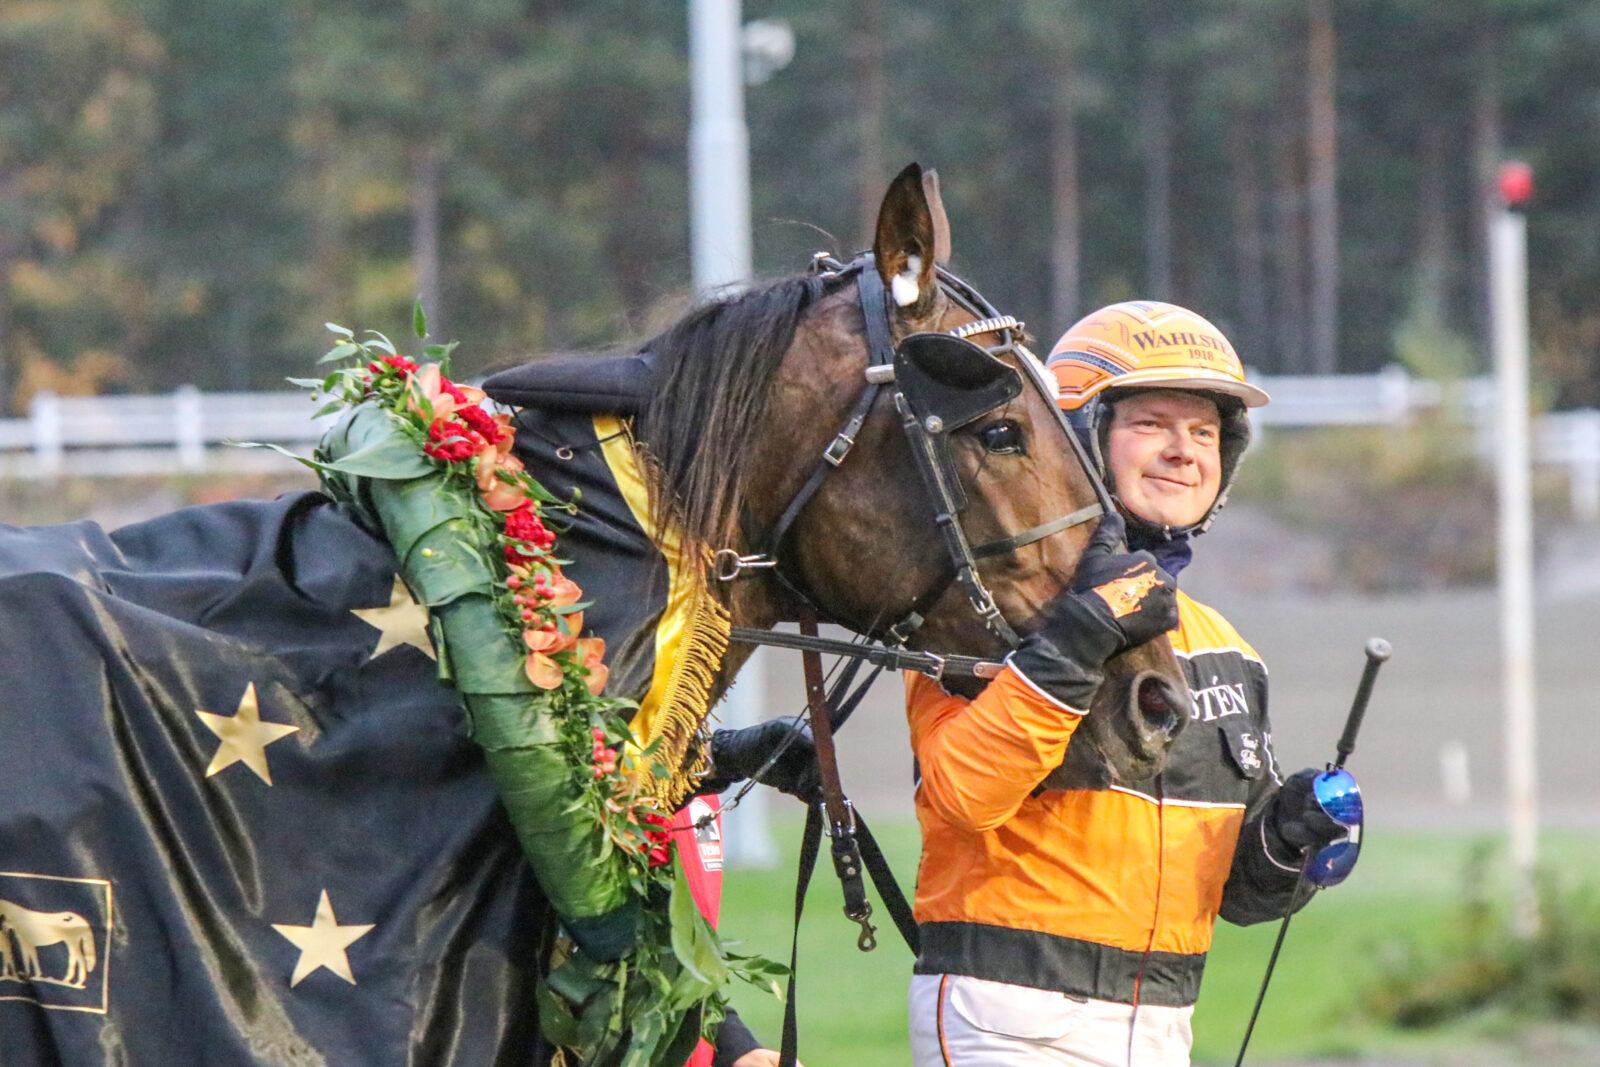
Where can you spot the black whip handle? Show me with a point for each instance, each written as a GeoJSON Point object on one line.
{"type": "Point", "coordinates": [1378, 651]}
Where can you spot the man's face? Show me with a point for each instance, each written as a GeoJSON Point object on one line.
{"type": "Point", "coordinates": [1164, 454]}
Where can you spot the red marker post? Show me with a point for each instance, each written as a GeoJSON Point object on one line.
{"type": "Point", "coordinates": [1515, 182]}
{"type": "Point", "coordinates": [1508, 291]}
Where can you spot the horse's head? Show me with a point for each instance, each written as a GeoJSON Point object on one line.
{"type": "Point", "coordinates": [913, 474]}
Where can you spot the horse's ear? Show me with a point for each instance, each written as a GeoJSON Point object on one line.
{"type": "Point", "coordinates": [911, 232]}
{"type": "Point", "coordinates": [941, 221]}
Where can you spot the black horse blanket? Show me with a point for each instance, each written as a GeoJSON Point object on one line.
{"type": "Point", "coordinates": [240, 822]}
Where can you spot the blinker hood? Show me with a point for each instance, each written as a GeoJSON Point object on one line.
{"type": "Point", "coordinates": [952, 379]}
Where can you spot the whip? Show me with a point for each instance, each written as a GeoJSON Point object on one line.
{"type": "Point", "coordinates": [1378, 651]}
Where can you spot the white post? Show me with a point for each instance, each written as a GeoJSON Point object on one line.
{"type": "Point", "coordinates": [187, 431]}
{"type": "Point", "coordinates": [719, 148]}
{"type": "Point", "coordinates": [1508, 280]}
{"type": "Point", "coordinates": [1584, 476]}
{"type": "Point", "coordinates": [720, 257]}
{"type": "Point", "coordinates": [45, 412]}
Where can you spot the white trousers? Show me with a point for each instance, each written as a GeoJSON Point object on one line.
{"type": "Point", "coordinates": [959, 1021]}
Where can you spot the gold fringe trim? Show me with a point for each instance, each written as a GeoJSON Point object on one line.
{"type": "Point", "coordinates": [691, 641]}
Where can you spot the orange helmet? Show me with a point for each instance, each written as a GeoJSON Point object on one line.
{"type": "Point", "coordinates": [1144, 344]}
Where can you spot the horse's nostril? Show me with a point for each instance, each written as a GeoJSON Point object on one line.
{"type": "Point", "coordinates": [1158, 704]}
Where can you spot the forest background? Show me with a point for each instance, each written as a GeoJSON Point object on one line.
{"type": "Point", "coordinates": [190, 188]}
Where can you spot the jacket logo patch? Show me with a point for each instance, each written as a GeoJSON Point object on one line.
{"type": "Point", "coordinates": [1249, 752]}
{"type": "Point", "coordinates": [1124, 595]}
{"type": "Point", "coordinates": [1218, 701]}
{"type": "Point", "coordinates": [55, 936]}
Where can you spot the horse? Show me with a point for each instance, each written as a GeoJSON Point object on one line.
{"type": "Point", "coordinates": [34, 930]}
{"type": "Point", "coordinates": [865, 442]}
{"type": "Point", "coordinates": [768, 442]}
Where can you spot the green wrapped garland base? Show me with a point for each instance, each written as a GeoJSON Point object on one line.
{"type": "Point", "coordinates": [419, 460]}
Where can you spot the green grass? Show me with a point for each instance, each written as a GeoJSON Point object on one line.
{"type": "Point", "coordinates": [1407, 888]}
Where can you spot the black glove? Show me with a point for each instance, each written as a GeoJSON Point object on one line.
{"type": "Point", "coordinates": [1294, 823]}
{"type": "Point", "coordinates": [739, 754]}
{"type": "Point", "coordinates": [1118, 600]}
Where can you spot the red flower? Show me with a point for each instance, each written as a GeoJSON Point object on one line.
{"type": "Point", "coordinates": [481, 421]}
{"type": "Point", "coordinates": [401, 364]}
{"type": "Point", "coordinates": [450, 440]}
{"type": "Point", "coordinates": [658, 838]}
{"type": "Point", "coordinates": [523, 524]}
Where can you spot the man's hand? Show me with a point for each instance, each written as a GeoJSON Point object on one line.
{"type": "Point", "coordinates": [1117, 600]}
{"type": "Point", "coordinates": [1295, 823]}
{"type": "Point", "coordinates": [740, 754]}
{"type": "Point", "coordinates": [1126, 591]}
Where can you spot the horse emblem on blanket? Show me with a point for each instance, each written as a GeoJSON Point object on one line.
{"type": "Point", "coordinates": [43, 948]}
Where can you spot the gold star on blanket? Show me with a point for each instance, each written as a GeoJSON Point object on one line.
{"type": "Point", "coordinates": [322, 944]}
{"type": "Point", "coordinates": [244, 736]}
{"type": "Point", "coordinates": [403, 622]}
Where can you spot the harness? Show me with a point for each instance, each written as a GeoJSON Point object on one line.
{"type": "Point", "coordinates": [942, 382]}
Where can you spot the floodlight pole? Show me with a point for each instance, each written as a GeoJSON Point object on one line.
{"type": "Point", "coordinates": [720, 258]}
{"type": "Point", "coordinates": [1508, 286]}
{"type": "Point", "coordinates": [719, 148]}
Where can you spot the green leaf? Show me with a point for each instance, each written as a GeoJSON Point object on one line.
{"type": "Point", "coordinates": [419, 321]}
{"type": "Point", "coordinates": [313, 464]}
{"type": "Point", "coordinates": [392, 458]}
{"type": "Point", "coordinates": [380, 342]}
{"type": "Point", "coordinates": [694, 943]}
{"type": "Point", "coordinates": [306, 383]}
{"type": "Point", "coordinates": [333, 327]}
{"type": "Point", "coordinates": [340, 351]}
{"type": "Point", "coordinates": [556, 1021]}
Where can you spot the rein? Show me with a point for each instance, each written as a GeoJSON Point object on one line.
{"type": "Point", "coordinates": [927, 435]}
{"type": "Point", "coordinates": [853, 850]}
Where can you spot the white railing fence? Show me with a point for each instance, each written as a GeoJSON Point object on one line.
{"type": "Point", "coordinates": [181, 432]}
{"type": "Point", "coordinates": [187, 431]}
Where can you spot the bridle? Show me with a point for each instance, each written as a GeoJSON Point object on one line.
{"type": "Point", "coordinates": [930, 407]}
{"type": "Point", "coordinates": [927, 430]}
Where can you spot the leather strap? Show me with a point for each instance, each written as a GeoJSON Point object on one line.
{"type": "Point", "coordinates": [934, 665]}
{"type": "Point", "coordinates": [841, 816]}
{"type": "Point", "coordinates": [1038, 533]}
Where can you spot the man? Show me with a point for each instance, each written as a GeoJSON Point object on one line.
{"type": "Point", "coordinates": [1065, 922]}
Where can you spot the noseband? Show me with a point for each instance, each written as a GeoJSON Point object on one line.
{"type": "Point", "coordinates": [928, 434]}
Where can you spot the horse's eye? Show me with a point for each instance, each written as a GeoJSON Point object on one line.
{"type": "Point", "coordinates": [1003, 438]}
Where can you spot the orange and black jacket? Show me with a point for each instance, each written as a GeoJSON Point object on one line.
{"type": "Point", "coordinates": [1095, 889]}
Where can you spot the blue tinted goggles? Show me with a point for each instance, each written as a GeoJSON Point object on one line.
{"type": "Point", "coordinates": [1340, 799]}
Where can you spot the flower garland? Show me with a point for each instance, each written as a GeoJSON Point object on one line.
{"type": "Point", "coordinates": [421, 458]}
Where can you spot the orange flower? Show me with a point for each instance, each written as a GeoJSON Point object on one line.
{"type": "Point", "coordinates": [563, 591]}
{"type": "Point", "coordinates": [551, 641]}
{"type": "Point", "coordinates": [443, 395]}
{"type": "Point", "coordinates": [543, 671]}
{"type": "Point", "coordinates": [590, 651]}
{"type": "Point", "coordinates": [499, 495]}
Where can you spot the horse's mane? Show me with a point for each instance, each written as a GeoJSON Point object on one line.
{"type": "Point", "coordinates": [714, 371]}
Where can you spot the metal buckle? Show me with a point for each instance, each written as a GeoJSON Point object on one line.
{"type": "Point", "coordinates": [727, 564]}
{"type": "Point", "coordinates": [827, 820]}
{"type": "Point", "coordinates": [839, 448]}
